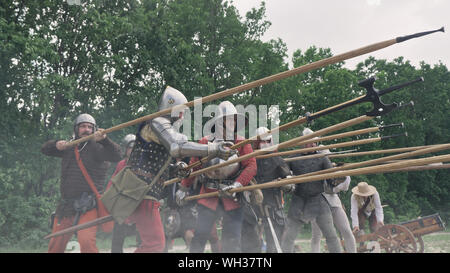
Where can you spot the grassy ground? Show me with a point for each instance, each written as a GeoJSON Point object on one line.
{"type": "Point", "coordinates": [438, 242]}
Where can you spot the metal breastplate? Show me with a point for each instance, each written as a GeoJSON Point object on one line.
{"type": "Point", "coordinates": [224, 172]}
{"type": "Point", "coordinates": [146, 159]}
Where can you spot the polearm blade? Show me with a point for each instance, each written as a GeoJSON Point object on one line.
{"type": "Point", "coordinates": [393, 167]}
{"type": "Point", "coordinates": [73, 229]}
{"type": "Point", "coordinates": [266, 80]}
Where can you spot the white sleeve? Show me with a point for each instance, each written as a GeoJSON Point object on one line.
{"type": "Point", "coordinates": [343, 186]}
{"type": "Point", "coordinates": [378, 209]}
{"type": "Point", "coordinates": [354, 211]}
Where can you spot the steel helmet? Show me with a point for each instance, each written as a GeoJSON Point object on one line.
{"type": "Point", "coordinates": [83, 118]}
{"type": "Point", "coordinates": [170, 98]}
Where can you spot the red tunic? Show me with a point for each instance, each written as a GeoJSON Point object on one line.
{"type": "Point", "coordinates": [248, 172]}
{"type": "Point", "coordinates": [119, 167]}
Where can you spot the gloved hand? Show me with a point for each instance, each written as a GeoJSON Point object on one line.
{"type": "Point", "coordinates": [224, 192]}
{"type": "Point", "coordinates": [221, 149]}
{"type": "Point", "coordinates": [181, 170]}
{"type": "Point", "coordinates": [288, 188]}
{"type": "Point", "coordinates": [180, 195]}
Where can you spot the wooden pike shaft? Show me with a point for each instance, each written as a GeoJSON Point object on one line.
{"type": "Point", "coordinates": [421, 168]}
{"type": "Point", "coordinates": [432, 149]}
{"type": "Point", "coordinates": [338, 136]}
{"type": "Point", "coordinates": [306, 157]}
{"type": "Point", "coordinates": [329, 129]}
{"type": "Point", "coordinates": [387, 151]}
{"type": "Point", "coordinates": [362, 171]}
{"type": "Point", "coordinates": [318, 148]}
{"type": "Point", "coordinates": [276, 77]}
{"type": "Point", "coordinates": [95, 222]}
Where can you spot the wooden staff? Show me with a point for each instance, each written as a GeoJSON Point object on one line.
{"type": "Point", "coordinates": [387, 151]}
{"type": "Point", "coordinates": [329, 129]}
{"type": "Point", "coordinates": [432, 149]}
{"type": "Point", "coordinates": [393, 167]}
{"type": "Point", "coordinates": [316, 155]}
{"type": "Point", "coordinates": [331, 146]}
{"type": "Point", "coordinates": [266, 80]}
{"type": "Point", "coordinates": [342, 154]}
{"type": "Point", "coordinates": [347, 134]}
{"type": "Point", "coordinates": [421, 168]}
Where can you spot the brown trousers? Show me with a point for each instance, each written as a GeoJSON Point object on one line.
{"type": "Point", "coordinates": [373, 223]}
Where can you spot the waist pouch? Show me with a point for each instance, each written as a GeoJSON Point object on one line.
{"type": "Point", "coordinates": [85, 203]}
{"type": "Point", "coordinates": [125, 194]}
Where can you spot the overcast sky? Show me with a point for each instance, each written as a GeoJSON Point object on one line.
{"type": "Point", "coordinates": [345, 25]}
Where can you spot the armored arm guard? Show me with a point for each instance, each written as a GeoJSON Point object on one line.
{"type": "Point", "coordinates": [176, 143]}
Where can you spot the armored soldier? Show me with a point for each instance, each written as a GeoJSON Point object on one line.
{"type": "Point", "coordinates": [158, 144]}
{"type": "Point", "coordinates": [78, 202]}
{"type": "Point", "coordinates": [224, 179]}
{"type": "Point", "coordinates": [308, 203]}
{"type": "Point", "coordinates": [271, 209]}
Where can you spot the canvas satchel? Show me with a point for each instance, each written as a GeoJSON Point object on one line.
{"type": "Point", "coordinates": [126, 193]}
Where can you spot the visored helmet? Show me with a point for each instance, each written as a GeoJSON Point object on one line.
{"type": "Point", "coordinates": [226, 110]}
{"type": "Point", "coordinates": [170, 98]}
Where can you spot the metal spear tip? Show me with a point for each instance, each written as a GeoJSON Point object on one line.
{"type": "Point", "coordinates": [396, 135]}
{"type": "Point", "coordinates": [416, 35]}
{"type": "Point", "coordinates": [401, 125]}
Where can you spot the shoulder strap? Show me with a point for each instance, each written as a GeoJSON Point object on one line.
{"type": "Point", "coordinates": [85, 173]}
{"type": "Point", "coordinates": [158, 175]}
{"type": "Point", "coordinates": [366, 203]}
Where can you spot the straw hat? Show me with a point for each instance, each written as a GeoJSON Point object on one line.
{"type": "Point", "coordinates": [364, 189]}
